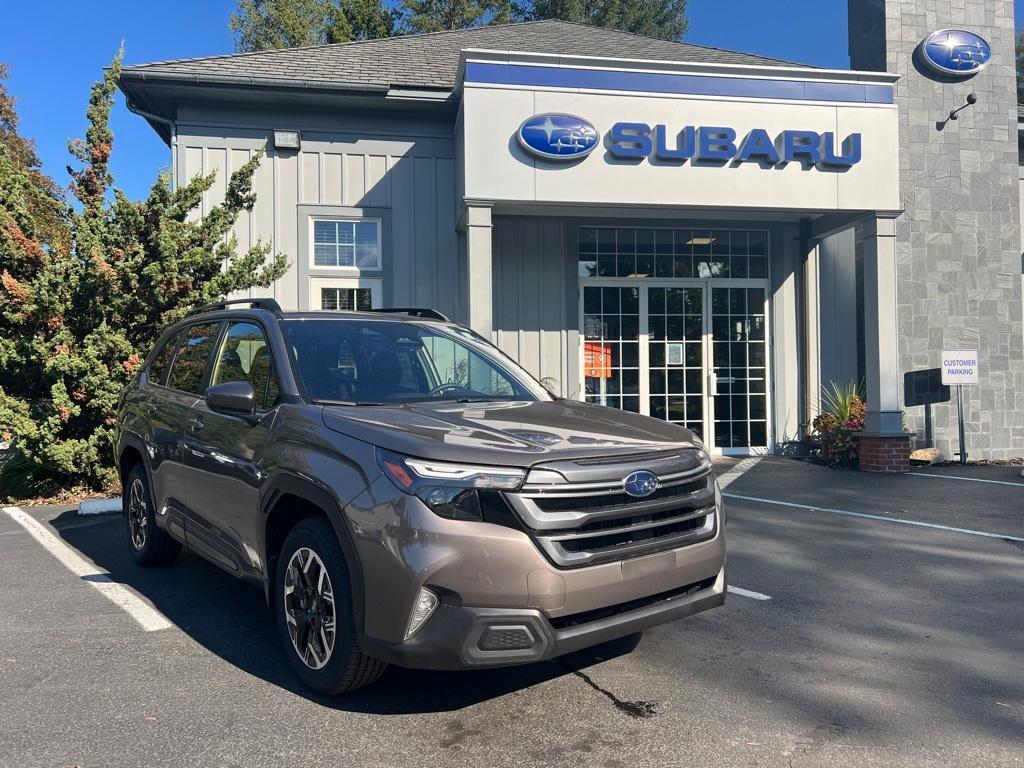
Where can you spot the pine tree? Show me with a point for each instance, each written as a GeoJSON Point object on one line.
{"type": "Point", "coordinates": [261, 25]}
{"type": "Point", "coordinates": [654, 18]}
{"type": "Point", "coordinates": [81, 307]}
{"type": "Point", "coordinates": [438, 15]}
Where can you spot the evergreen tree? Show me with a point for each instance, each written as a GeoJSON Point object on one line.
{"type": "Point", "coordinates": [654, 18]}
{"type": "Point", "coordinates": [261, 25]}
{"type": "Point", "coordinates": [1019, 51]}
{"type": "Point", "coordinates": [82, 303]}
{"type": "Point", "coordinates": [438, 15]}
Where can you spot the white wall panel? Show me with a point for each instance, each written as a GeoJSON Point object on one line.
{"type": "Point", "coordinates": [404, 177]}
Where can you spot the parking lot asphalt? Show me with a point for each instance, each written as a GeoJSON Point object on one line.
{"type": "Point", "coordinates": [884, 643]}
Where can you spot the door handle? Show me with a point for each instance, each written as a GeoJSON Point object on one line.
{"type": "Point", "coordinates": [194, 425]}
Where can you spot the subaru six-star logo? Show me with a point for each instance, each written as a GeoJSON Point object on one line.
{"type": "Point", "coordinates": [641, 483]}
{"type": "Point", "coordinates": [955, 52]}
{"type": "Point", "coordinates": [558, 137]}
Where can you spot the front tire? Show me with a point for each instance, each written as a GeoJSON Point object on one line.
{"type": "Point", "coordinates": [315, 619]}
{"type": "Point", "coordinates": [148, 544]}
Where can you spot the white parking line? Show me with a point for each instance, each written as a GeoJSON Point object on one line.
{"type": "Point", "coordinates": [148, 617]}
{"type": "Point", "coordinates": [748, 593]}
{"type": "Point", "coordinates": [883, 518]}
{"type": "Point", "coordinates": [969, 479]}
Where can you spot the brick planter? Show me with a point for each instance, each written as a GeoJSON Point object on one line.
{"type": "Point", "coordinates": [884, 453]}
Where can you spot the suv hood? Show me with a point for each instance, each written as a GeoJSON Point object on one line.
{"type": "Point", "coordinates": [518, 434]}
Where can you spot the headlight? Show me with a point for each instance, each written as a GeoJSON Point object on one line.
{"type": "Point", "coordinates": [450, 490]}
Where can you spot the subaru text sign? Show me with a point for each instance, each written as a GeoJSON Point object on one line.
{"type": "Point", "coordinates": [563, 138]}
{"type": "Point", "coordinates": [714, 144]}
{"type": "Point", "coordinates": [955, 52]}
{"type": "Point", "coordinates": [558, 137]}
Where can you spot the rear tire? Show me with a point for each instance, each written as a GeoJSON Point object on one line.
{"type": "Point", "coordinates": [148, 544]}
{"type": "Point", "coordinates": [315, 618]}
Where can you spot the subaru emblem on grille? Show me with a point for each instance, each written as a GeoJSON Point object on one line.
{"type": "Point", "coordinates": [641, 483]}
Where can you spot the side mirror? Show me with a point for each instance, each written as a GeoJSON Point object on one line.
{"type": "Point", "coordinates": [234, 397]}
{"type": "Point", "coordinates": [551, 385]}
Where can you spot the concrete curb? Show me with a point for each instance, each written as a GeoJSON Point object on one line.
{"type": "Point", "coordinates": [99, 506]}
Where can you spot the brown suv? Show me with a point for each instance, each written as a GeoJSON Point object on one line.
{"type": "Point", "coordinates": [405, 493]}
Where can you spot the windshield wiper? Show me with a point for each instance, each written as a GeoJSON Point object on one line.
{"type": "Point", "coordinates": [319, 401]}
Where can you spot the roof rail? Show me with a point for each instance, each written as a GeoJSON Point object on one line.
{"type": "Point", "coordinates": [424, 312]}
{"type": "Point", "coordinates": [270, 305]}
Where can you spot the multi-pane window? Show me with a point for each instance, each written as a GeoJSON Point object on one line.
{"type": "Point", "coordinates": [349, 243]}
{"type": "Point", "coordinates": [739, 357]}
{"type": "Point", "coordinates": [693, 253]}
{"type": "Point", "coordinates": [334, 299]}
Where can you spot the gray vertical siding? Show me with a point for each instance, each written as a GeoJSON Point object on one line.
{"type": "Point", "coordinates": [405, 177]}
{"type": "Point", "coordinates": [535, 298]}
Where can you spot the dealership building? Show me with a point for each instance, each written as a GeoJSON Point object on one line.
{"type": "Point", "coordinates": [704, 236]}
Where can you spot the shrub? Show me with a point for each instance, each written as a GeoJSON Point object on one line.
{"type": "Point", "coordinates": [841, 416]}
{"type": "Point", "coordinates": [83, 298]}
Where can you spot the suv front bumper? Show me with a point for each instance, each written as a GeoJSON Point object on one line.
{"type": "Point", "coordinates": [459, 637]}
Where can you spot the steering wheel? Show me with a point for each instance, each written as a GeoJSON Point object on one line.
{"type": "Point", "coordinates": [451, 385]}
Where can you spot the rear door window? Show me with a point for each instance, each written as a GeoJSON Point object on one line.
{"type": "Point", "coordinates": [193, 354]}
{"type": "Point", "coordinates": [162, 359]}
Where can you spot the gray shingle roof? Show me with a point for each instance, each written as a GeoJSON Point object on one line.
{"type": "Point", "coordinates": [431, 60]}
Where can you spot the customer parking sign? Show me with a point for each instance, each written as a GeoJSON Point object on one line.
{"type": "Point", "coordinates": [960, 366]}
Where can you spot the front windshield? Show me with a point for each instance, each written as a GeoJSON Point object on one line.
{"type": "Point", "coordinates": [360, 362]}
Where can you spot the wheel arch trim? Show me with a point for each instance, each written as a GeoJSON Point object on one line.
{"type": "Point", "coordinates": [288, 484]}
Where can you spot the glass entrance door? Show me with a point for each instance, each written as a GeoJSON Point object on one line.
{"type": "Point", "coordinates": [611, 345]}
{"type": "Point", "coordinates": [675, 332]}
{"type": "Point", "coordinates": [691, 352]}
{"type": "Point", "coordinates": [739, 374]}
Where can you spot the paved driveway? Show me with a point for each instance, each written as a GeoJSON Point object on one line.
{"type": "Point", "coordinates": [889, 639]}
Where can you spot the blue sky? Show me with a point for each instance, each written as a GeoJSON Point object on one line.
{"type": "Point", "coordinates": [61, 46]}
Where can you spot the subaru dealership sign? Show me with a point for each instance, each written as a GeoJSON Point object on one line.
{"type": "Point", "coordinates": [955, 52]}
{"type": "Point", "coordinates": [557, 137]}
{"type": "Point", "coordinates": [563, 137]}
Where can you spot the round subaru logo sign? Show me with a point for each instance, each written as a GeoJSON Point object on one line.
{"type": "Point", "coordinates": [955, 52]}
{"type": "Point", "coordinates": [641, 483]}
{"type": "Point", "coordinates": [557, 137]}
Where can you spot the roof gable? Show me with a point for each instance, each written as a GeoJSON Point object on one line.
{"type": "Point", "coordinates": [431, 60]}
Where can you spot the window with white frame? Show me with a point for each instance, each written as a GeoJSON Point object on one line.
{"type": "Point", "coordinates": [352, 244]}
{"type": "Point", "coordinates": [344, 294]}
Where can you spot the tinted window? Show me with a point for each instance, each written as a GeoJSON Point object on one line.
{"type": "Point", "coordinates": [245, 356]}
{"type": "Point", "coordinates": [162, 359]}
{"type": "Point", "coordinates": [385, 361]}
{"type": "Point", "coordinates": [193, 353]}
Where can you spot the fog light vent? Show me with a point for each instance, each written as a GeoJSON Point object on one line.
{"type": "Point", "coordinates": [514, 638]}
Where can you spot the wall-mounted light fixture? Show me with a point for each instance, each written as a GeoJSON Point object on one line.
{"type": "Point", "coordinates": [972, 99]}
{"type": "Point", "coordinates": [287, 140]}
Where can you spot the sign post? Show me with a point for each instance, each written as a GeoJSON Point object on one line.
{"type": "Point", "coordinates": [960, 366]}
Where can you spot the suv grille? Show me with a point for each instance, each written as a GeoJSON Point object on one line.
{"type": "Point", "coordinates": [576, 525]}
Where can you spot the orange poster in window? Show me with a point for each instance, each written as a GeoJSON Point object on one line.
{"type": "Point", "coordinates": [597, 361]}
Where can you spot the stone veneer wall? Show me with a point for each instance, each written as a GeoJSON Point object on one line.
{"type": "Point", "coordinates": [958, 241]}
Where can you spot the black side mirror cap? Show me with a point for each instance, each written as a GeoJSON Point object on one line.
{"type": "Point", "coordinates": [233, 397]}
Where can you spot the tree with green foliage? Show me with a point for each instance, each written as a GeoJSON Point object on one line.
{"type": "Point", "coordinates": [665, 19]}
{"type": "Point", "coordinates": [440, 15]}
{"type": "Point", "coordinates": [1020, 64]}
{"type": "Point", "coordinates": [82, 303]}
{"type": "Point", "coordinates": [261, 25]}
